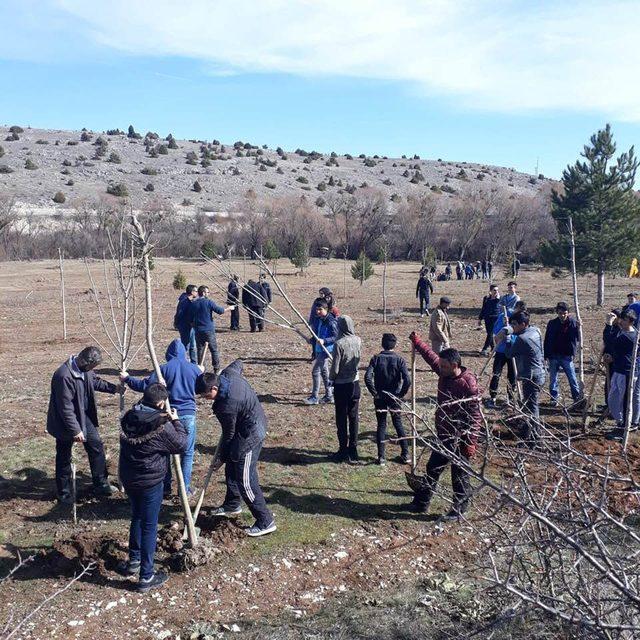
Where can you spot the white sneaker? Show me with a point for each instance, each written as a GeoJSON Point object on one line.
{"type": "Point", "coordinates": [256, 531]}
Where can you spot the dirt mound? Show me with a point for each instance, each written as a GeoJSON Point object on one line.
{"type": "Point", "coordinates": [67, 556]}
{"type": "Point", "coordinates": [221, 532]}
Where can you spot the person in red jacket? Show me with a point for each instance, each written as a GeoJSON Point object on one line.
{"type": "Point", "coordinates": [457, 422]}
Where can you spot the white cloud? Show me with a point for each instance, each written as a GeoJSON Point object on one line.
{"type": "Point", "coordinates": [504, 55]}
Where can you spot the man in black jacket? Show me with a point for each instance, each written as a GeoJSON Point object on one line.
{"type": "Point", "coordinates": [387, 374]}
{"type": "Point", "coordinates": [489, 313]}
{"type": "Point", "coordinates": [72, 417]}
{"type": "Point", "coordinates": [254, 300]}
{"type": "Point", "coordinates": [424, 289]}
{"type": "Point", "coordinates": [233, 298]}
{"type": "Point", "coordinates": [148, 437]}
{"type": "Point", "coordinates": [244, 427]}
{"type": "Point", "coordinates": [560, 344]}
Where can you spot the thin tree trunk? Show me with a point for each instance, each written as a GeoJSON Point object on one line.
{"type": "Point", "coordinates": [576, 304]}
{"type": "Point", "coordinates": [64, 306]}
{"type": "Point", "coordinates": [630, 394]}
{"type": "Point", "coordinates": [344, 275]}
{"type": "Point", "coordinates": [146, 274]}
{"type": "Point", "coordinates": [384, 290]}
{"type": "Point", "coordinates": [600, 297]}
{"type": "Point", "coordinates": [413, 410]}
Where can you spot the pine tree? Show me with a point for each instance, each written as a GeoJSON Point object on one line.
{"type": "Point", "coordinates": [598, 196]}
{"type": "Point", "coordinates": [362, 269]}
{"type": "Point", "coordinates": [300, 255]}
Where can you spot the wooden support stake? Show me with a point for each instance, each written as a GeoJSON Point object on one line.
{"type": "Point", "coordinates": [588, 401]}
{"type": "Point", "coordinates": [576, 304]}
{"type": "Point", "coordinates": [145, 248]}
{"type": "Point", "coordinates": [630, 394]}
{"type": "Point", "coordinates": [74, 508]}
{"type": "Point", "coordinates": [64, 306]}
{"type": "Point", "coordinates": [414, 432]}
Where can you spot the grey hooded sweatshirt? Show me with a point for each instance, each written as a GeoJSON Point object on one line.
{"type": "Point", "coordinates": [346, 353]}
{"type": "Point", "coordinates": [527, 350]}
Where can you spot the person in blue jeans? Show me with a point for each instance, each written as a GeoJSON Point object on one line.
{"type": "Point", "coordinates": [202, 309]}
{"type": "Point", "coordinates": [182, 321]}
{"type": "Point", "coordinates": [560, 345]}
{"type": "Point", "coordinates": [326, 328]}
{"type": "Point", "coordinates": [148, 437]}
{"type": "Point", "coordinates": [180, 376]}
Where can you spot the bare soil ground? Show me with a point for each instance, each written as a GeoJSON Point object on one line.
{"type": "Point", "coordinates": [343, 535]}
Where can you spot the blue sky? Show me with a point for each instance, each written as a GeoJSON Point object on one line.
{"type": "Point", "coordinates": [494, 82]}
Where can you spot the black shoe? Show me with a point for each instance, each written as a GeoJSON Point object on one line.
{"type": "Point", "coordinates": [353, 456]}
{"type": "Point", "coordinates": [339, 456]}
{"type": "Point", "coordinates": [381, 462]}
{"type": "Point", "coordinates": [104, 489]}
{"type": "Point", "coordinates": [404, 459]}
{"type": "Point", "coordinates": [616, 434]}
{"type": "Point", "coordinates": [65, 498]}
{"type": "Point", "coordinates": [127, 568]}
{"type": "Point", "coordinates": [156, 580]}
{"type": "Point", "coordinates": [418, 507]}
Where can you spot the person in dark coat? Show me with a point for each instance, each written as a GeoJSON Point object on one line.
{"type": "Point", "coordinates": [387, 378]}
{"type": "Point", "coordinates": [609, 335]}
{"type": "Point", "coordinates": [244, 427]}
{"type": "Point", "coordinates": [254, 299]}
{"type": "Point", "coordinates": [72, 417]}
{"type": "Point", "coordinates": [447, 271]}
{"type": "Point", "coordinates": [457, 426]}
{"type": "Point", "coordinates": [148, 437]}
{"type": "Point", "coordinates": [182, 321]}
{"type": "Point", "coordinates": [490, 312]}
{"type": "Point", "coordinates": [560, 345]}
{"type": "Point", "coordinates": [233, 298]}
{"type": "Point", "coordinates": [424, 289]}
{"type": "Point", "coordinates": [202, 309]}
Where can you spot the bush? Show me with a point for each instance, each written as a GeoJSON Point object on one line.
{"type": "Point", "coordinates": [186, 202]}
{"type": "Point", "coordinates": [42, 142]}
{"type": "Point", "coordinates": [192, 158]}
{"type": "Point", "coordinates": [114, 158]}
{"type": "Point", "coordinates": [162, 150]}
{"type": "Point", "coordinates": [119, 190]}
{"type": "Point", "coordinates": [115, 132]}
{"type": "Point", "coordinates": [5, 169]}
{"type": "Point", "coordinates": [149, 187]}
{"type": "Point", "coordinates": [321, 186]}
{"type": "Point", "coordinates": [302, 179]}
{"type": "Point", "coordinates": [197, 187]}
{"type": "Point", "coordinates": [369, 162]}
{"type": "Point", "coordinates": [172, 144]}
{"type": "Point", "coordinates": [132, 133]}
{"type": "Point", "coordinates": [59, 197]}
{"type": "Point", "coordinates": [12, 137]}
{"type": "Point", "coordinates": [30, 164]}
{"type": "Point", "coordinates": [179, 281]}
{"type": "Point", "coordinates": [85, 136]}
{"type": "Point", "coordinates": [16, 129]}
{"type": "Point", "coordinates": [72, 143]}
{"type": "Point", "coordinates": [69, 183]}
{"type": "Point", "coordinates": [320, 202]}
{"type": "Point", "coordinates": [362, 269]}
{"type": "Point", "coordinates": [269, 185]}
{"type": "Point", "coordinates": [1, 151]}
{"type": "Point", "coordinates": [148, 171]}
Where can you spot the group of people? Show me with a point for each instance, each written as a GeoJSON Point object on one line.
{"type": "Point", "coordinates": [151, 431]}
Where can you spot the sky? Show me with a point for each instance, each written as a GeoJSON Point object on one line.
{"type": "Point", "coordinates": [514, 83]}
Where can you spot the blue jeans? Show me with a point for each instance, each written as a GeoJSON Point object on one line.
{"type": "Point", "coordinates": [188, 339]}
{"type": "Point", "coordinates": [145, 509]}
{"type": "Point", "coordinates": [566, 364]}
{"type": "Point", "coordinates": [186, 459]}
{"type": "Point", "coordinates": [320, 373]}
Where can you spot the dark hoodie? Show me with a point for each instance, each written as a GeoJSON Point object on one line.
{"type": "Point", "coordinates": [180, 376]}
{"type": "Point", "coordinates": [182, 318]}
{"type": "Point", "coordinates": [147, 439]}
{"type": "Point", "coordinates": [240, 413]}
{"type": "Point", "coordinates": [387, 372]}
{"type": "Point", "coordinates": [346, 353]}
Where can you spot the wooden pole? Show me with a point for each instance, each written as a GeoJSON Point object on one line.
{"type": "Point", "coordinates": [576, 304]}
{"type": "Point", "coordinates": [588, 401]}
{"type": "Point", "coordinates": [413, 410]}
{"type": "Point", "coordinates": [630, 390]}
{"type": "Point", "coordinates": [64, 306]}
{"type": "Point", "coordinates": [74, 508]}
{"type": "Point", "coordinates": [384, 289]}
{"type": "Point", "coordinates": [146, 274]}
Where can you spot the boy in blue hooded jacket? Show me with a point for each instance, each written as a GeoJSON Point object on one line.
{"type": "Point", "coordinates": [180, 376]}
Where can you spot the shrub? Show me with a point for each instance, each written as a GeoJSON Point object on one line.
{"type": "Point", "coordinates": [387, 182]}
{"type": "Point", "coordinates": [369, 162]}
{"type": "Point", "coordinates": [179, 281]}
{"type": "Point", "coordinates": [149, 187]}
{"type": "Point", "coordinates": [532, 180]}
{"type": "Point", "coordinates": [119, 189]}
{"type": "Point", "coordinates": [262, 168]}
{"type": "Point", "coordinates": [132, 133]}
{"type": "Point", "coordinates": [65, 172]}
{"type": "Point", "coordinates": [42, 142]}
{"type": "Point", "coordinates": [72, 143]}
{"type": "Point", "coordinates": [16, 129]}
{"type": "Point", "coordinates": [192, 158]}
{"type": "Point", "coordinates": [197, 187]}
{"type": "Point", "coordinates": [320, 202]}
{"type": "Point", "coordinates": [302, 179]}
{"type": "Point", "coordinates": [148, 171]}
{"type": "Point", "coordinates": [5, 169]}
{"type": "Point", "coordinates": [59, 197]}
{"type": "Point", "coordinates": [321, 186]}
{"type": "Point", "coordinates": [1, 151]}
{"type": "Point", "coordinates": [85, 136]}
{"type": "Point", "coordinates": [172, 144]}
{"type": "Point", "coordinates": [69, 183]}
{"type": "Point", "coordinates": [115, 132]}
{"type": "Point", "coordinates": [205, 162]}
{"type": "Point", "coordinates": [162, 150]}
{"type": "Point", "coordinates": [30, 164]}
{"type": "Point", "coordinates": [269, 185]}
{"type": "Point", "coordinates": [114, 158]}
{"type": "Point", "coordinates": [362, 269]}
{"type": "Point", "coordinates": [186, 202]}
{"type": "Point", "coordinates": [12, 137]}
{"type": "Point", "coordinates": [279, 170]}
{"type": "Point", "coordinates": [447, 189]}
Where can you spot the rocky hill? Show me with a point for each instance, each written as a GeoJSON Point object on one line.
{"type": "Point", "coordinates": [47, 171]}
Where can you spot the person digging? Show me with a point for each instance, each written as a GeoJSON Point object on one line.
{"type": "Point", "coordinates": [457, 422]}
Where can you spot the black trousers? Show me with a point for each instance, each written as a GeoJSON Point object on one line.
{"type": "Point", "coordinates": [489, 323]}
{"type": "Point", "coordinates": [384, 407]}
{"type": "Point", "coordinates": [256, 318]}
{"type": "Point", "coordinates": [459, 480]}
{"type": "Point", "coordinates": [95, 452]}
{"type": "Point", "coordinates": [347, 400]}
{"type": "Point", "coordinates": [424, 301]}
{"type": "Point", "coordinates": [208, 337]}
{"type": "Point", "coordinates": [243, 484]}
{"type": "Point", "coordinates": [499, 361]}
{"type": "Point", "coordinates": [531, 406]}
{"type": "Point", "coordinates": [235, 319]}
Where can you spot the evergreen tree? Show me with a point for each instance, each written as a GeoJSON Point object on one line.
{"type": "Point", "coordinates": [300, 255]}
{"type": "Point", "coordinates": [598, 196]}
{"type": "Point", "coordinates": [362, 269]}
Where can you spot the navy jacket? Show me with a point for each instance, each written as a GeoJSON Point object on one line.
{"type": "Point", "coordinates": [424, 286]}
{"type": "Point", "coordinates": [609, 335]}
{"type": "Point", "coordinates": [182, 318]}
{"type": "Point", "coordinates": [147, 439]}
{"type": "Point", "coordinates": [180, 376]}
{"type": "Point", "coordinates": [561, 341]}
{"type": "Point", "coordinates": [623, 352]}
{"type": "Point", "coordinates": [266, 287]}
{"type": "Point", "coordinates": [241, 416]}
{"type": "Point", "coordinates": [73, 402]}
{"type": "Point", "coordinates": [387, 371]}
{"type": "Point", "coordinates": [201, 310]}
{"type": "Point", "coordinates": [233, 293]}
{"type": "Point", "coordinates": [254, 296]}
{"type": "Point", "coordinates": [491, 309]}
